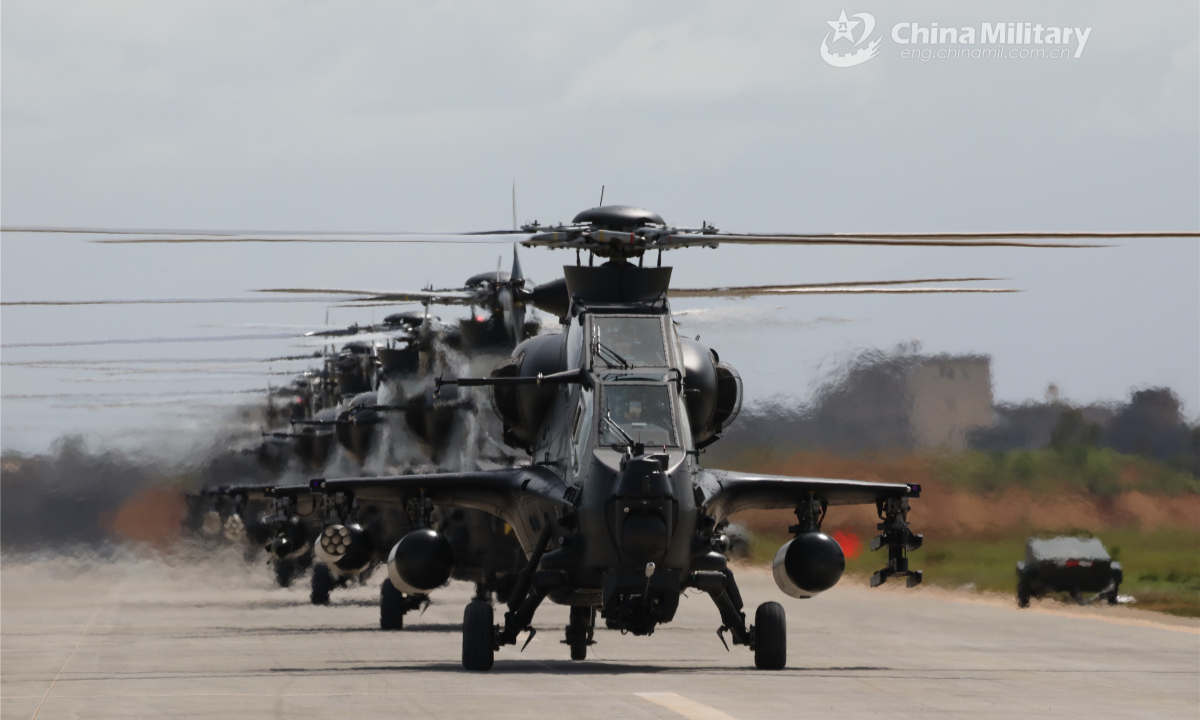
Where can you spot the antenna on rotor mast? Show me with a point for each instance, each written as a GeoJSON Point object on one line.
{"type": "Point", "coordinates": [601, 197]}
{"type": "Point", "coordinates": [514, 199]}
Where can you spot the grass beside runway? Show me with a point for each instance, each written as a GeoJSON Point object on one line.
{"type": "Point", "coordinates": [977, 510]}
{"type": "Point", "coordinates": [1162, 568]}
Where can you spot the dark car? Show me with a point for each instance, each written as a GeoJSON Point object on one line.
{"type": "Point", "coordinates": [1070, 565]}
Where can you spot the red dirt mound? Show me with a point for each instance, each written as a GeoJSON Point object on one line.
{"type": "Point", "coordinates": [152, 517]}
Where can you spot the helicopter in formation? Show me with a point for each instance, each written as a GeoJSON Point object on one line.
{"type": "Point", "coordinates": [339, 405]}
{"type": "Point", "coordinates": [614, 512]}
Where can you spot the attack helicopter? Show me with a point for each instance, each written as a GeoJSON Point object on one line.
{"type": "Point", "coordinates": [348, 549]}
{"type": "Point", "coordinates": [424, 345]}
{"type": "Point", "coordinates": [503, 295]}
{"type": "Point", "coordinates": [349, 540]}
{"type": "Point", "coordinates": [614, 511]}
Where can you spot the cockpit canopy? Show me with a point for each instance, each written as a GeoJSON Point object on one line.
{"type": "Point", "coordinates": [629, 342]}
{"type": "Point", "coordinates": [642, 412]}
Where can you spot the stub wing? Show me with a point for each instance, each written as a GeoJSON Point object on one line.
{"type": "Point", "coordinates": [255, 492]}
{"type": "Point", "coordinates": [498, 492]}
{"type": "Point", "coordinates": [726, 493]}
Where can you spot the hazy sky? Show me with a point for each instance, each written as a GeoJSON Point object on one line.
{"type": "Point", "coordinates": [419, 116]}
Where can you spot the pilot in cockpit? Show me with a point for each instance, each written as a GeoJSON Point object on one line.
{"type": "Point", "coordinates": [622, 341]}
{"type": "Point", "coordinates": [638, 341]}
{"type": "Point", "coordinates": [645, 427]}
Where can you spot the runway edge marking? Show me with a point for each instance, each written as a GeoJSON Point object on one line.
{"type": "Point", "coordinates": [688, 708]}
{"type": "Point", "coordinates": [64, 667]}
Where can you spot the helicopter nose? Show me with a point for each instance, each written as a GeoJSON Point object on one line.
{"type": "Point", "coordinates": [643, 512]}
{"type": "Point", "coordinates": [644, 536]}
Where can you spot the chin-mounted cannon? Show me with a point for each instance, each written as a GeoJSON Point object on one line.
{"type": "Point", "coordinates": [898, 538]}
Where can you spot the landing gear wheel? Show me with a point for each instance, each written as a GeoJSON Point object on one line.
{"type": "Point", "coordinates": [578, 651]}
{"type": "Point", "coordinates": [770, 637]}
{"type": "Point", "coordinates": [579, 632]}
{"type": "Point", "coordinates": [322, 583]}
{"type": "Point", "coordinates": [284, 569]}
{"type": "Point", "coordinates": [1023, 595]}
{"type": "Point", "coordinates": [479, 636]}
{"type": "Point", "coordinates": [1112, 597]}
{"type": "Point", "coordinates": [391, 607]}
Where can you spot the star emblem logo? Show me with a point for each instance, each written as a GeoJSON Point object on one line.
{"type": "Point", "coordinates": [842, 27]}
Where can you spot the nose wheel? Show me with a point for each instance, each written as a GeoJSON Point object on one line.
{"type": "Point", "coordinates": [581, 630]}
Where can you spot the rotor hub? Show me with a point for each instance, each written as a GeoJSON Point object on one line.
{"type": "Point", "coordinates": [618, 218]}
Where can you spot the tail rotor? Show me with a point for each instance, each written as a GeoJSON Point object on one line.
{"type": "Point", "coordinates": [512, 300]}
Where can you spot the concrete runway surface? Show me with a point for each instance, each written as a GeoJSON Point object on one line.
{"type": "Point", "coordinates": [210, 637]}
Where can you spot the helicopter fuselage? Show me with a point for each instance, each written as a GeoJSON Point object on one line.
{"type": "Point", "coordinates": [621, 442]}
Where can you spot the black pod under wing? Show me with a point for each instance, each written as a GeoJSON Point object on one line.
{"type": "Point", "coordinates": [725, 493]}
{"type": "Point", "coordinates": [494, 491]}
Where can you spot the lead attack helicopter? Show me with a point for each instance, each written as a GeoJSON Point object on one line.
{"type": "Point", "coordinates": [614, 510]}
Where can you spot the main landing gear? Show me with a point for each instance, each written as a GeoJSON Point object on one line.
{"type": "Point", "coordinates": [479, 636]}
{"type": "Point", "coordinates": [767, 637]}
{"type": "Point", "coordinates": [480, 643]}
{"type": "Point", "coordinates": [580, 631]}
{"type": "Point", "coordinates": [770, 637]}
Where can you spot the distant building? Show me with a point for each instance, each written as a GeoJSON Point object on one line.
{"type": "Point", "coordinates": [883, 401]}
{"type": "Point", "coordinates": [947, 398]}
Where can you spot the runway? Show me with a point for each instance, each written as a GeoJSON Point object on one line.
{"type": "Point", "coordinates": [210, 637]}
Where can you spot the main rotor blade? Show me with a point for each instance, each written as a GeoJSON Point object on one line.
{"type": "Point", "coordinates": [670, 238]}
{"type": "Point", "coordinates": [329, 297]}
{"type": "Point", "coordinates": [441, 297]}
{"type": "Point", "coordinates": [172, 394]}
{"type": "Point", "coordinates": [119, 373]}
{"type": "Point", "coordinates": [169, 301]}
{"type": "Point", "coordinates": [517, 277]}
{"type": "Point", "coordinates": [175, 235]}
{"type": "Point", "coordinates": [942, 239]}
{"type": "Point", "coordinates": [360, 337]}
{"type": "Point", "coordinates": [331, 336]}
{"type": "Point", "coordinates": [152, 341]}
{"type": "Point", "coordinates": [586, 236]}
{"type": "Point", "coordinates": [375, 298]}
{"type": "Point", "coordinates": [751, 316]}
{"type": "Point", "coordinates": [749, 292]}
{"type": "Point", "coordinates": [67, 364]}
{"type": "Point", "coordinates": [833, 287]}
